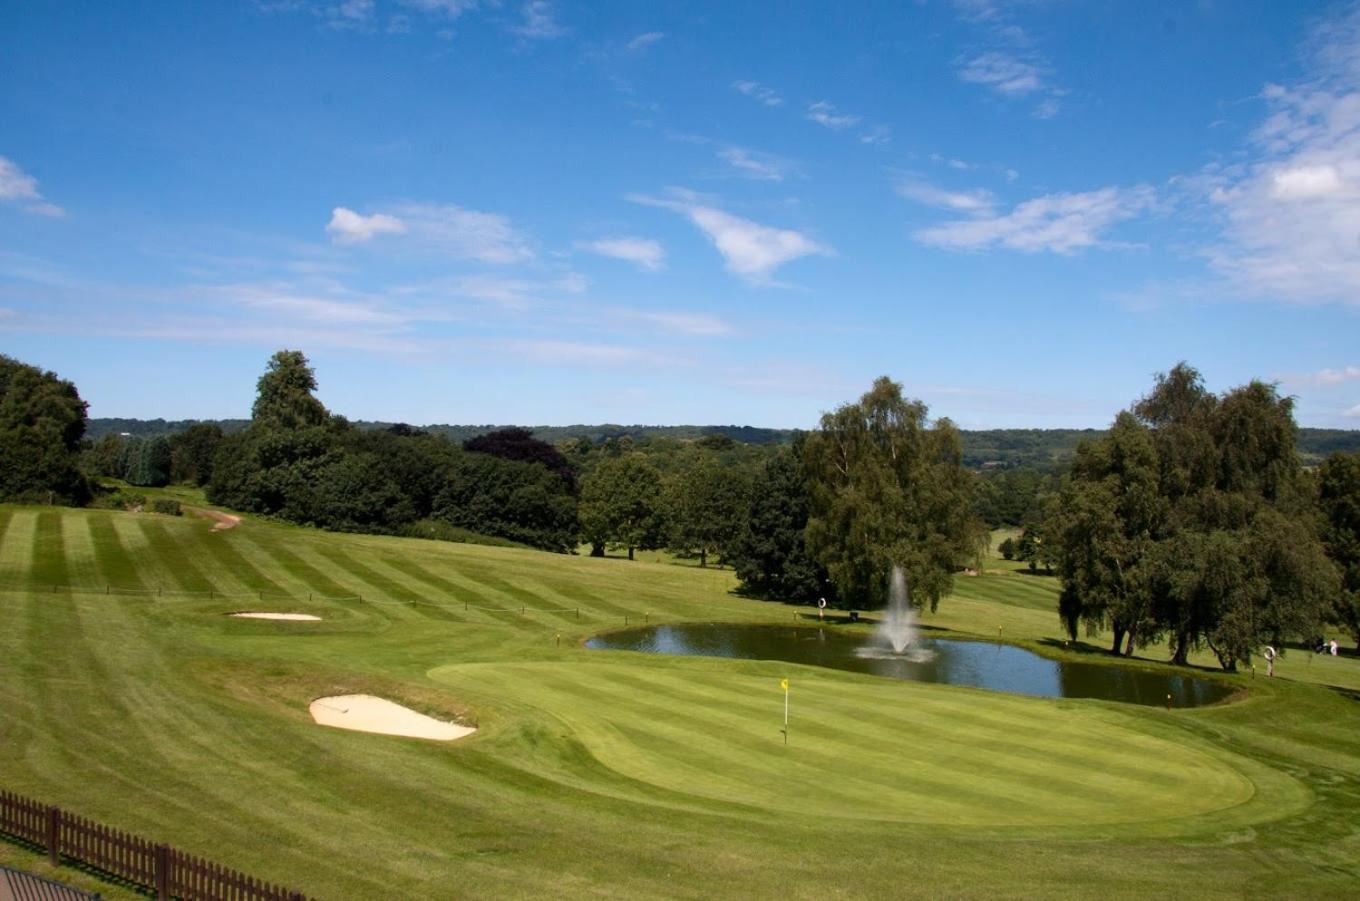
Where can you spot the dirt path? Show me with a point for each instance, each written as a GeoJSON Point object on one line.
{"type": "Point", "coordinates": [222, 522]}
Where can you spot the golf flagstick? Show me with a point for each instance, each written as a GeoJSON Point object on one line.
{"type": "Point", "coordinates": [784, 684]}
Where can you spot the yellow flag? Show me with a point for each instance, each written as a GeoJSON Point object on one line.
{"type": "Point", "coordinates": [784, 684]}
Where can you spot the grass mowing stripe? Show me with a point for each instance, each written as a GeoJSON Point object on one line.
{"type": "Point", "coordinates": [235, 567]}
{"type": "Point", "coordinates": [182, 568]}
{"type": "Point", "coordinates": [18, 558]}
{"type": "Point", "coordinates": [392, 587]}
{"type": "Point", "coordinates": [111, 557]}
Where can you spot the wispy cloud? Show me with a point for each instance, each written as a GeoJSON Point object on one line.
{"type": "Point", "coordinates": [755, 164]}
{"type": "Point", "coordinates": [447, 229]}
{"type": "Point", "coordinates": [750, 250]}
{"type": "Point", "coordinates": [1323, 378]}
{"type": "Point", "coordinates": [1352, 413]}
{"type": "Point", "coordinates": [1007, 61]}
{"type": "Point", "coordinates": [642, 252]}
{"type": "Point", "coordinates": [575, 353]}
{"type": "Point", "coordinates": [1291, 213]}
{"type": "Point", "coordinates": [17, 186]}
{"type": "Point", "coordinates": [976, 201]}
{"type": "Point", "coordinates": [1058, 223]}
{"type": "Point", "coordinates": [1002, 72]}
{"type": "Point", "coordinates": [758, 91]}
{"type": "Point", "coordinates": [540, 21]}
{"type": "Point", "coordinates": [349, 227]}
{"type": "Point", "coordinates": [826, 114]}
{"type": "Point", "coordinates": [643, 41]}
{"type": "Point", "coordinates": [695, 324]}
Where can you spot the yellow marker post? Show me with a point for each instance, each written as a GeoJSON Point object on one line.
{"type": "Point", "coordinates": [784, 684]}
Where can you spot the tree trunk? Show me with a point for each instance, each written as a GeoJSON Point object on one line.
{"type": "Point", "coordinates": [1182, 652]}
{"type": "Point", "coordinates": [703, 557]}
{"type": "Point", "coordinates": [630, 552]}
{"type": "Point", "coordinates": [1128, 648]}
{"type": "Point", "coordinates": [1118, 637]}
{"type": "Point", "coordinates": [597, 549]}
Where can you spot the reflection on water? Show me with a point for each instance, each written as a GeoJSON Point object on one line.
{"type": "Point", "coordinates": [998, 667]}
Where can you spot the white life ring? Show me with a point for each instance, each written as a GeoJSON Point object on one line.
{"type": "Point", "coordinates": [821, 603]}
{"type": "Point", "coordinates": [1269, 653]}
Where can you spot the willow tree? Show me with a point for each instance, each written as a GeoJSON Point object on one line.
{"type": "Point", "coordinates": [887, 487]}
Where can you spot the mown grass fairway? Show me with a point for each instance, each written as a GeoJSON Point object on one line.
{"type": "Point", "coordinates": [614, 774]}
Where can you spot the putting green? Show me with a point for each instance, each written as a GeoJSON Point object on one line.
{"type": "Point", "coordinates": [864, 750]}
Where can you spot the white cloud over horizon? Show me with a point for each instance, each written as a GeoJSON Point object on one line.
{"type": "Point", "coordinates": [758, 91]}
{"type": "Point", "coordinates": [750, 250]}
{"type": "Point", "coordinates": [1291, 214]}
{"type": "Point", "coordinates": [1060, 223]}
{"type": "Point", "coordinates": [349, 227]}
{"type": "Point", "coordinates": [975, 201]}
{"type": "Point", "coordinates": [18, 186]}
{"type": "Point", "coordinates": [826, 115]}
{"type": "Point", "coordinates": [643, 252]}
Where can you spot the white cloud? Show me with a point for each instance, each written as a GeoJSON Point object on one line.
{"type": "Point", "coordinates": [1291, 214]}
{"type": "Point", "coordinates": [1003, 72]}
{"type": "Point", "coordinates": [575, 353]}
{"type": "Point", "coordinates": [450, 8]}
{"type": "Point", "coordinates": [1305, 183]}
{"type": "Point", "coordinates": [688, 323]}
{"type": "Point", "coordinates": [283, 299]}
{"type": "Point", "coordinates": [755, 89]}
{"type": "Point", "coordinates": [540, 21]}
{"type": "Point", "coordinates": [1352, 413]}
{"type": "Point", "coordinates": [349, 227]}
{"type": "Point", "coordinates": [826, 114]}
{"type": "Point", "coordinates": [1060, 223]}
{"type": "Point", "coordinates": [643, 41]}
{"type": "Point", "coordinates": [879, 134]}
{"type": "Point", "coordinates": [755, 164]}
{"type": "Point", "coordinates": [749, 249]}
{"type": "Point", "coordinates": [643, 252]}
{"type": "Point", "coordinates": [18, 186]}
{"type": "Point", "coordinates": [976, 201]}
{"type": "Point", "coordinates": [1323, 378]}
{"type": "Point", "coordinates": [463, 233]}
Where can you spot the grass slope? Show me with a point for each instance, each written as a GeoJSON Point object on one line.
{"type": "Point", "coordinates": [127, 696]}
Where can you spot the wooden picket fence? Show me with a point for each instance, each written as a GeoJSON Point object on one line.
{"type": "Point", "coordinates": [169, 872]}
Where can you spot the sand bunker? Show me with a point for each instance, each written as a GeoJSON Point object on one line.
{"type": "Point", "coordinates": [301, 617]}
{"type": "Point", "coordinates": [365, 713]}
{"type": "Point", "coordinates": [221, 520]}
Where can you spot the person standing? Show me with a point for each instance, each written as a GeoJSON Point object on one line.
{"type": "Point", "coordinates": [1333, 644]}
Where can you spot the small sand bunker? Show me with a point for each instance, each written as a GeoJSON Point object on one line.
{"type": "Point", "coordinates": [298, 617]}
{"type": "Point", "coordinates": [221, 520]}
{"type": "Point", "coordinates": [365, 713]}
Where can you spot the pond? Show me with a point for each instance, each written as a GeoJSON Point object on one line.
{"type": "Point", "coordinates": [980, 664]}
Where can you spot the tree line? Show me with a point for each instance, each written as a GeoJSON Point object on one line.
{"type": "Point", "coordinates": [1192, 519]}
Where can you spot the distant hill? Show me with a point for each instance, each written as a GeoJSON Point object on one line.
{"type": "Point", "coordinates": [982, 449]}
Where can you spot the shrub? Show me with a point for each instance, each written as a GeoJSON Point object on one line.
{"type": "Point", "coordinates": [166, 507]}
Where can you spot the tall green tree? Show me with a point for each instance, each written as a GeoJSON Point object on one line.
{"type": "Point", "coordinates": [1193, 518]}
{"type": "Point", "coordinates": [42, 420]}
{"type": "Point", "coordinates": [886, 489]}
{"type": "Point", "coordinates": [770, 555]}
{"type": "Point", "coordinates": [285, 399]}
{"type": "Point", "coordinates": [192, 452]}
{"type": "Point", "coordinates": [706, 505]}
{"type": "Point", "coordinates": [1339, 500]}
{"type": "Point", "coordinates": [621, 505]}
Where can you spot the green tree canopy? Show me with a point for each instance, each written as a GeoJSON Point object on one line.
{"type": "Point", "coordinates": [621, 504]}
{"type": "Point", "coordinates": [1193, 518]}
{"type": "Point", "coordinates": [888, 489]}
{"type": "Point", "coordinates": [1339, 498]}
{"type": "Point", "coordinates": [707, 503]}
{"type": "Point", "coordinates": [285, 399]}
{"type": "Point", "coordinates": [42, 420]}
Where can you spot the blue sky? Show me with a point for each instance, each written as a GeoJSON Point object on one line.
{"type": "Point", "coordinates": [559, 212]}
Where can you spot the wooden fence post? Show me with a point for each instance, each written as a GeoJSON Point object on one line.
{"type": "Point", "coordinates": [162, 858]}
{"type": "Point", "coordinates": [54, 835]}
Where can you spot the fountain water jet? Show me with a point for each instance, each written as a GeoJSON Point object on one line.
{"type": "Point", "coordinates": [896, 634]}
